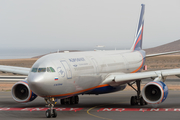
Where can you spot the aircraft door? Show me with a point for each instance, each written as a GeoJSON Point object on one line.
{"type": "Point", "coordinates": [95, 65]}
{"type": "Point", "coordinates": [126, 63]}
{"type": "Point", "coordinates": [67, 69]}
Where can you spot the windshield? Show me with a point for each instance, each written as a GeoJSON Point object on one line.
{"type": "Point", "coordinates": [34, 70]}
{"type": "Point", "coordinates": [48, 69]}
{"type": "Point", "coordinates": [42, 70]}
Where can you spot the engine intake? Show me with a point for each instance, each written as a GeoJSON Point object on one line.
{"type": "Point", "coordinates": [155, 92]}
{"type": "Point", "coordinates": [22, 93]}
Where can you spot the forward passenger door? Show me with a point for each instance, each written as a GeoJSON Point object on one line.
{"type": "Point", "coordinates": [67, 69]}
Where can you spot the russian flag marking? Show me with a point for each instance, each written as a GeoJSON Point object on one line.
{"type": "Point", "coordinates": [56, 78]}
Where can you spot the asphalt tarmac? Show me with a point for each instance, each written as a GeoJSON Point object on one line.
{"type": "Point", "coordinates": [92, 107]}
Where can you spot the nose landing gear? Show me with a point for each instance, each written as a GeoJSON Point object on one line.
{"type": "Point", "coordinates": [50, 112]}
{"type": "Point", "coordinates": [51, 101]}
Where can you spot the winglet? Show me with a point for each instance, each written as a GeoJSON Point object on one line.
{"type": "Point", "coordinates": [137, 45]}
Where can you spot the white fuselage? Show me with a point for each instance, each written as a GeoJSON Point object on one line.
{"type": "Point", "coordinates": [81, 72]}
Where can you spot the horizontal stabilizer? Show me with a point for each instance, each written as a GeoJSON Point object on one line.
{"type": "Point", "coordinates": [165, 53]}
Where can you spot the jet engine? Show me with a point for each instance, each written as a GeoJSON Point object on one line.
{"type": "Point", "coordinates": [155, 92]}
{"type": "Point", "coordinates": [22, 93]}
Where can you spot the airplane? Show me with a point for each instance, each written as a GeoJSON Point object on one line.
{"type": "Point", "coordinates": [64, 76]}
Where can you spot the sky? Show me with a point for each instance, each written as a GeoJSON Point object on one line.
{"type": "Point", "coordinates": [83, 24]}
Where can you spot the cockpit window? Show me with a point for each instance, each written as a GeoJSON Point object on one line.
{"type": "Point", "coordinates": [41, 69]}
{"type": "Point", "coordinates": [50, 69]}
{"type": "Point", "coordinates": [34, 70]}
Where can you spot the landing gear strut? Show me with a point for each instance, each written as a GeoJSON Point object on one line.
{"type": "Point", "coordinates": [70, 101]}
{"type": "Point", "coordinates": [137, 99]}
{"type": "Point", "coordinates": [50, 112]}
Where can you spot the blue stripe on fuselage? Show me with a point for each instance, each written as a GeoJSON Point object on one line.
{"type": "Point", "coordinates": [107, 89]}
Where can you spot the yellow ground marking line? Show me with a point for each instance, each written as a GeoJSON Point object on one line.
{"type": "Point", "coordinates": [88, 111]}
{"type": "Point", "coordinates": [96, 115]}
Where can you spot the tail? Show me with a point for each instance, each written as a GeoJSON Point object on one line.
{"type": "Point", "coordinates": [137, 45]}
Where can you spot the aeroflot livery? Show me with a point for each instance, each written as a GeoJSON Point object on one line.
{"type": "Point", "coordinates": [64, 76]}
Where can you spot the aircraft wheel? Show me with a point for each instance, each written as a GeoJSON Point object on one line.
{"type": "Point", "coordinates": [142, 102]}
{"type": "Point", "coordinates": [133, 100]}
{"type": "Point", "coordinates": [76, 99]}
{"type": "Point", "coordinates": [72, 100]}
{"type": "Point", "coordinates": [62, 102]}
{"type": "Point", "coordinates": [67, 101]}
{"type": "Point", "coordinates": [54, 115]}
{"type": "Point", "coordinates": [48, 113]}
{"type": "Point", "coordinates": [136, 100]}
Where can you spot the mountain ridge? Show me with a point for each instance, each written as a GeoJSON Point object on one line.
{"type": "Point", "coordinates": [172, 46]}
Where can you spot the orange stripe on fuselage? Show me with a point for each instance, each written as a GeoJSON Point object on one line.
{"type": "Point", "coordinates": [81, 91]}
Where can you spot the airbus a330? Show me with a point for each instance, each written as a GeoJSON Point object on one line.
{"type": "Point", "coordinates": [66, 75]}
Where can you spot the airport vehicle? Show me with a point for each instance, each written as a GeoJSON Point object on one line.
{"type": "Point", "coordinates": [66, 75]}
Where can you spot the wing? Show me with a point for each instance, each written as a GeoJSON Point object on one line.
{"type": "Point", "coordinates": [12, 78]}
{"type": "Point", "coordinates": [16, 70]}
{"type": "Point", "coordinates": [126, 78]}
{"type": "Point", "coordinates": [165, 53]}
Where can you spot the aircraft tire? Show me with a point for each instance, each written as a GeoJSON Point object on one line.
{"type": "Point", "coordinates": [136, 100]}
{"type": "Point", "coordinates": [54, 115]}
{"type": "Point", "coordinates": [48, 113]}
{"type": "Point", "coordinates": [133, 100]}
{"type": "Point", "coordinates": [76, 99]}
{"type": "Point", "coordinates": [62, 102]}
{"type": "Point", "coordinates": [72, 100]}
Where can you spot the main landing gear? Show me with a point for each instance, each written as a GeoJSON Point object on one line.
{"type": "Point", "coordinates": [135, 100]}
{"type": "Point", "coordinates": [70, 101]}
{"type": "Point", "coordinates": [50, 112]}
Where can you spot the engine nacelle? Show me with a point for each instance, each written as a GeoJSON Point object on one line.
{"type": "Point", "coordinates": [22, 93]}
{"type": "Point", "coordinates": [155, 92]}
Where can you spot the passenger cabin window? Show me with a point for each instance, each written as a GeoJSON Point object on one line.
{"type": "Point", "coordinates": [50, 69]}
{"type": "Point", "coordinates": [41, 69]}
{"type": "Point", "coordinates": [34, 70]}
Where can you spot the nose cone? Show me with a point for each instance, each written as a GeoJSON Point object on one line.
{"type": "Point", "coordinates": [36, 83]}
